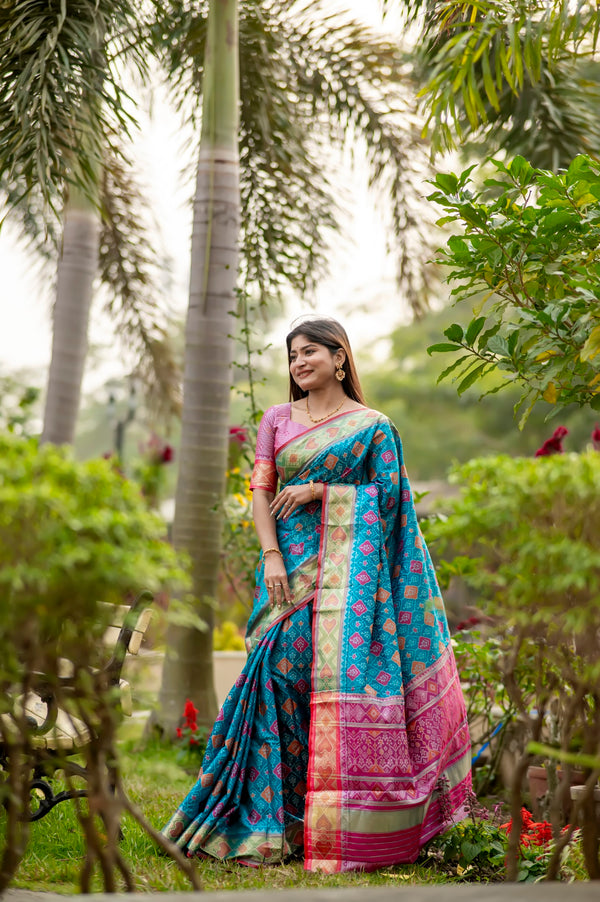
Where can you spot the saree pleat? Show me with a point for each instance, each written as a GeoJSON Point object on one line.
{"type": "Point", "coordinates": [380, 762]}
{"type": "Point", "coordinates": [248, 801]}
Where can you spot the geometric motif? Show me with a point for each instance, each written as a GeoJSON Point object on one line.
{"type": "Point", "coordinates": [380, 738]}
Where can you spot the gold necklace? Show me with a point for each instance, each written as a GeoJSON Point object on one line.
{"type": "Point", "coordinates": [327, 415]}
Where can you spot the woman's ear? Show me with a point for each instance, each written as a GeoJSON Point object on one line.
{"type": "Point", "coordinates": [339, 357]}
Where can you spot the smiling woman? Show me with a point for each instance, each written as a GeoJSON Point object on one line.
{"type": "Point", "coordinates": [345, 737]}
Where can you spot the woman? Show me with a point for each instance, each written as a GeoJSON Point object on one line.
{"type": "Point", "coordinates": [345, 735]}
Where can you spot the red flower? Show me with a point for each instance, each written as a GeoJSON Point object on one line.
{"type": "Point", "coordinates": [596, 437]}
{"type": "Point", "coordinates": [179, 732]}
{"type": "Point", "coordinates": [553, 445]}
{"type": "Point", "coordinates": [167, 454]}
{"type": "Point", "coordinates": [536, 833]}
{"type": "Point", "coordinates": [190, 712]}
{"type": "Point", "coordinates": [526, 817]}
{"type": "Point", "coordinates": [540, 833]}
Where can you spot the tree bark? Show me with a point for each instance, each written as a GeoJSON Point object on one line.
{"type": "Point", "coordinates": [76, 272]}
{"type": "Point", "coordinates": [187, 671]}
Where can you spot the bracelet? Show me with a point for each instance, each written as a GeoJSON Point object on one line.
{"type": "Point", "coordinates": [276, 550]}
{"type": "Point", "coordinates": [312, 490]}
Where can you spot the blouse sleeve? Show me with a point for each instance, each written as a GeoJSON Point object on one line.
{"type": "Point", "coordinates": [264, 474]}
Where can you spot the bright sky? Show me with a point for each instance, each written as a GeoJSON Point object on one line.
{"type": "Point", "coordinates": [360, 290]}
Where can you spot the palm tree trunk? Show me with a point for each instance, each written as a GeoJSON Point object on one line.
{"type": "Point", "coordinates": [74, 291]}
{"type": "Point", "coordinates": [188, 669]}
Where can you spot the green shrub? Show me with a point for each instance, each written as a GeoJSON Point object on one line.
{"type": "Point", "coordinates": [524, 532]}
{"type": "Point", "coordinates": [71, 535]}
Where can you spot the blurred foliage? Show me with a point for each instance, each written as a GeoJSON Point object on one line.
{"type": "Point", "coordinates": [529, 240]}
{"type": "Point", "coordinates": [524, 533]}
{"type": "Point", "coordinates": [73, 536]}
{"type": "Point", "coordinates": [240, 549]}
{"type": "Point", "coordinates": [18, 405]}
{"type": "Point", "coordinates": [517, 76]}
{"type": "Point", "coordinates": [227, 637]}
{"type": "Point", "coordinates": [489, 707]}
{"type": "Point", "coordinates": [439, 427]}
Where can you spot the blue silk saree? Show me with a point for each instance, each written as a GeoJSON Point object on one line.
{"type": "Point", "coordinates": [345, 737]}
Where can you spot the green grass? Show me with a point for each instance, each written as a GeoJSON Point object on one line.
{"type": "Point", "coordinates": [157, 784]}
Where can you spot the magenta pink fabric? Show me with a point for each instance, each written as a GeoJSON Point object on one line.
{"type": "Point", "coordinates": [276, 428]}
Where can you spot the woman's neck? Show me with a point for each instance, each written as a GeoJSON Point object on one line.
{"type": "Point", "coordinates": [325, 402]}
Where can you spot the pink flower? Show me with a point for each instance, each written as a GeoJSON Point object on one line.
{"type": "Point", "coordinates": [553, 445]}
{"type": "Point", "coordinates": [596, 437]}
{"type": "Point", "coordinates": [238, 434]}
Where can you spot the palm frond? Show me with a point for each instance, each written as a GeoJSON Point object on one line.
{"type": "Point", "coordinates": [131, 273]}
{"type": "Point", "coordinates": [475, 54]}
{"type": "Point", "coordinates": [550, 121]}
{"type": "Point", "coordinates": [59, 91]}
{"type": "Point", "coordinates": [308, 77]}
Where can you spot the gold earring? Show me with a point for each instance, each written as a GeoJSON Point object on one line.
{"type": "Point", "coordinates": [340, 374]}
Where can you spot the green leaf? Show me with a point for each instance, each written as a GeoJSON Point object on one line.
{"type": "Point", "coordinates": [452, 367]}
{"type": "Point", "coordinates": [471, 377]}
{"type": "Point", "coordinates": [474, 329]}
{"type": "Point", "coordinates": [454, 332]}
{"type": "Point", "coordinates": [591, 347]}
{"type": "Point", "coordinates": [498, 345]}
{"type": "Point", "coordinates": [488, 82]}
{"type": "Point", "coordinates": [443, 346]}
{"type": "Point", "coordinates": [447, 181]}
{"type": "Point", "coordinates": [470, 850]}
{"type": "Point", "coordinates": [522, 172]}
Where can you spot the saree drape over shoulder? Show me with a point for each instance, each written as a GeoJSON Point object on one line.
{"type": "Point", "coordinates": [346, 733]}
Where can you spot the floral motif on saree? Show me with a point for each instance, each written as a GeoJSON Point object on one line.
{"type": "Point", "coordinates": [387, 754]}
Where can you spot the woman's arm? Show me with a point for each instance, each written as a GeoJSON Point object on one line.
{"type": "Point", "coordinates": [276, 579]}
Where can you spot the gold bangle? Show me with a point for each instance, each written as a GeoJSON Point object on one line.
{"type": "Point", "coordinates": [276, 550]}
{"type": "Point", "coordinates": [312, 490]}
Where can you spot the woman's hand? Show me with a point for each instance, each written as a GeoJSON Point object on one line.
{"type": "Point", "coordinates": [276, 580]}
{"type": "Point", "coordinates": [292, 496]}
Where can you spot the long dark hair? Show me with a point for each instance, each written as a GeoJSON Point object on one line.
{"type": "Point", "coordinates": [328, 332]}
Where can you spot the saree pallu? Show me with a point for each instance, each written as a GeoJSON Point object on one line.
{"type": "Point", "coordinates": [380, 763]}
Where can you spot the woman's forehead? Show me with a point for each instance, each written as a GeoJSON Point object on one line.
{"type": "Point", "coordinates": [301, 341]}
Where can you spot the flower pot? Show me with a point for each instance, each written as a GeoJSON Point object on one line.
{"type": "Point", "coordinates": [577, 792]}
{"type": "Point", "coordinates": [538, 787]}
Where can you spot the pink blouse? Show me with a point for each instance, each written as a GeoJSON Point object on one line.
{"type": "Point", "coordinates": [276, 428]}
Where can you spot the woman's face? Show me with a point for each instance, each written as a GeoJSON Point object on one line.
{"type": "Point", "coordinates": [312, 365]}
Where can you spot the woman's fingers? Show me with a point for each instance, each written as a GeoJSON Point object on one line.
{"type": "Point", "coordinates": [287, 593]}
{"type": "Point", "coordinates": [285, 503]}
{"type": "Point", "coordinates": [278, 590]}
{"type": "Point", "coordinates": [279, 593]}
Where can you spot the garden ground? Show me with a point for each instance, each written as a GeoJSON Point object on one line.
{"type": "Point", "coordinates": [156, 781]}
{"type": "Point", "coordinates": [531, 892]}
